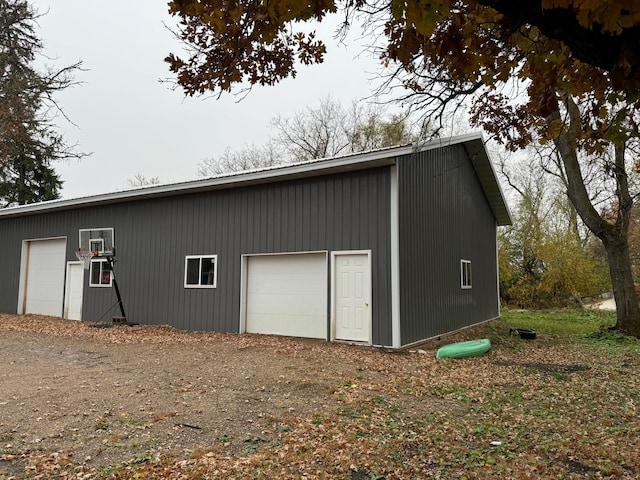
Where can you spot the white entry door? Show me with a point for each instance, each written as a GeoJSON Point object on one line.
{"type": "Point", "coordinates": [73, 291]}
{"type": "Point", "coordinates": [44, 279]}
{"type": "Point", "coordinates": [352, 296]}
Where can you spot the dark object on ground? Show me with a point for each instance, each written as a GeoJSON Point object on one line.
{"type": "Point", "coordinates": [547, 367]}
{"type": "Point", "coordinates": [363, 475]}
{"type": "Point", "coordinates": [186, 425]}
{"type": "Point", "coordinates": [523, 333]}
{"type": "Point", "coordinates": [100, 325]}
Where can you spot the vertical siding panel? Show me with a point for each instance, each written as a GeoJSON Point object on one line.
{"type": "Point", "coordinates": [12, 232]}
{"type": "Point", "coordinates": [134, 274]}
{"type": "Point", "coordinates": [244, 219]}
{"type": "Point", "coordinates": [357, 216]}
{"type": "Point", "coordinates": [319, 216]}
{"type": "Point", "coordinates": [285, 224]}
{"type": "Point", "coordinates": [148, 288]}
{"type": "Point", "coordinates": [269, 219]}
{"type": "Point", "coordinates": [305, 215]}
{"type": "Point", "coordinates": [172, 282]}
{"type": "Point", "coordinates": [345, 213]}
{"type": "Point", "coordinates": [222, 242]}
{"type": "Point", "coordinates": [257, 222]}
{"type": "Point", "coordinates": [261, 224]}
{"type": "Point", "coordinates": [278, 219]}
{"type": "Point", "coordinates": [174, 267]}
{"type": "Point", "coordinates": [154, 225]}
{"type": "Point", "coordinates": [151, 288]}
{"type": "Point", "coordinates": [179, 234]}
{"type": "Point", "coordinates": [146, 261]}
{"type": "Point", "coordinates": [441, 214]}
{"type": "Point", "coordinates": [330, 212]}
{"type": "Point", "coordinates": [127, 262]}
{"type": "Point", "coordinates": [299, 216]}
{"type": "Point", "coordinates": [233, 258]}
{"type": "Point", "coordinates": [252, 206]}
{"type": "Point", "coordinates": [291, 215]}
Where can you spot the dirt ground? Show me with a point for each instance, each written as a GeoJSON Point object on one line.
{"type": "Point", "coordinates": [101, 396]}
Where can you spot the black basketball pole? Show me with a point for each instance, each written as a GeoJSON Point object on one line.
{"type": "Point", "coordinates": [115, 285]}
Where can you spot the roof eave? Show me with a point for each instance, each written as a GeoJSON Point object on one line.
{"type": "Point", "coordinates": [478, 154]}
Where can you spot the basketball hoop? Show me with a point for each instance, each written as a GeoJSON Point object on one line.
{"type": "Point", "coordinates": [85, 257]}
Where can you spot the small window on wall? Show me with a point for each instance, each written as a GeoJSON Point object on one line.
{"type": "Point", "coordinates": [200, 271]}
{"type": "Point", "coordinates": [465, 273]}
{"type": "Point", "coordinates": [100, 273]}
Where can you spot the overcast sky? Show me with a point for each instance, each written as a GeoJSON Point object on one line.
{"type": "Point", "coordinates": [133, 124]}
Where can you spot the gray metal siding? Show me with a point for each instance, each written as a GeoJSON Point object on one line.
{"type": "Point", "coordinates": [443, 217]}
{"type": "Point", "coordinates": [152, 236]}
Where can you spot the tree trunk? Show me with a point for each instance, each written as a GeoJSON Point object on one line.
{"type": "Point", "coordinates": [627, 309]}
{"type": "Point", "coordinates": [614, 235]}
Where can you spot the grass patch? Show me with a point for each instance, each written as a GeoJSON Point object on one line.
{"type": "Point", "coordinates": [567, 322]}
{"type": "Point", "coordinates": [134, 421]}
{"type": "Point", "coordinates": [101, 424]}
{"type": "Point", "coordinates": [612, 338]}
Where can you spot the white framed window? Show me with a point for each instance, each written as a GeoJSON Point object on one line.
{"type": "Point", "coordinates": [465, 273]}
{"type": "Point", "coordinates": [200, 271]}
{"type": "Point", "coordinates": [100, 273]}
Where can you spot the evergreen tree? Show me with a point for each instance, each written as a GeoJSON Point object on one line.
{"type": "Point", "coordinates": [29, 143]}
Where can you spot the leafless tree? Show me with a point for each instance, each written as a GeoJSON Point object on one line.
{"type": "Point", "coordinates": [142, 181]}
{"type": "Point", "coordinates": [326, 131]}
{"type": "Point", "coordinates": [250, 157]}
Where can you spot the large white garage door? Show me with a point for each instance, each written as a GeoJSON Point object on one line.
{"type": "Point", "coordinates": [45, 276]}
{"type": "Point", "coordinates": [287, 295]}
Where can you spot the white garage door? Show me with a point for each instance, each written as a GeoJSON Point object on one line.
{"type": "Point", "coordinates": [45, 276]}
{"type": "Point", "coordinates": [287, 295]}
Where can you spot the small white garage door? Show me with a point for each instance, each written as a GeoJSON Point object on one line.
{"type": "Point", "coordinates": [287, 295]}
{"type": "Point", "coordinates": [44, 285]}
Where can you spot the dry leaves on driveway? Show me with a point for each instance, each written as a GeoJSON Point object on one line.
{"type": "Point", "coordinates": [154, 402]}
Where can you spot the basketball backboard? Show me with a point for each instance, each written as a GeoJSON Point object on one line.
{"type": "Point", "coordinates": [100, 240]}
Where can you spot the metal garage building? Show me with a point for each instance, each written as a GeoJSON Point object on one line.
{"type": "Point", "coordinates": [386, 248]}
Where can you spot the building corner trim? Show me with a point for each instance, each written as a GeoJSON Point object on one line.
{"type": "Point", "coordinates": [396, 340]}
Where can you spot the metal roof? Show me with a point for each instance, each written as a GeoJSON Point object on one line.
{"type": "Point", "coordinates": [473, 143]}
